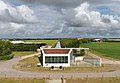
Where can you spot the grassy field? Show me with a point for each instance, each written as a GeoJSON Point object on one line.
{"type": "Point", "coordinates": [106, 49]}
{"type": "Point", "coordinates": [23, 66]}
{"type": "Point", "coordinates": [24, 53]}
{"type": "Point", "coordinates": [94, 80]}
{"type": "Point", "coordinates": [22, 80]}
{"type": "Point", "coordinates": [50, 42]}
{"type": "Point", "coordinates": [68, 80]}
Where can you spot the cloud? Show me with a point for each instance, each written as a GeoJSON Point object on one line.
{"type": "Point", "coordinates": [20, 14]}
{"type": "Point", "coordinates": [41, 18]}
{"type": "Point", "coordinates": [86, 21]}
{"type": "Point", "coordinates": [61, 3]}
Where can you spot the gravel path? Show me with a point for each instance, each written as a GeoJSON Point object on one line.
{"type": "Point", "coordinates": [6, 70]}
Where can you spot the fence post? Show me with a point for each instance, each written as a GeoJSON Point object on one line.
{"type": "Point", "coordinates": [19, 76]}
{"type": "Point", "coordinates": [102, 78]}
{"type": "Point", "coordinates": [5, 76]}
{"type": "Point", "coordinates": [62, 79]}
{"type": "Point", "coordinates": [86, 78]}
{"type": "Point", "coordinates": [71, 78]}
{"type": "Point", "coordinates": [34, 76]}
{"type": "Point", "coordinates": [49, 76]}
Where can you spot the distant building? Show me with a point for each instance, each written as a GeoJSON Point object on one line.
{"type": "Point", "coordinates": [17, 42]}
{"type": "Point", "coordinates": [98, 40]}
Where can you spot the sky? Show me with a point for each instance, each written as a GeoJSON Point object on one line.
{"type": "Point", "coordinates": [59, 19]}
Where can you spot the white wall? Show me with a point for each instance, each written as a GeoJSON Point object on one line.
{"type": "Point", "coordinates": [56, 64]}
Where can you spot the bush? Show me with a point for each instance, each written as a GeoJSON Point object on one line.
{"type": "Point", "coordinates": [24, 47]}
{"type": "Point", "coordinates": [6, 57]}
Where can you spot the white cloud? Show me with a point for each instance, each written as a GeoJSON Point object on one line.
{"type": "Point", "coordinates": [77, 19]}
{"type": "Point", "coordinates": [20, 14]}
{"type": "Point", "coordinates": [86, 21]}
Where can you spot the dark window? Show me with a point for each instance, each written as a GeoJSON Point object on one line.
{"type": "Point", "coordinates": [56, 59]}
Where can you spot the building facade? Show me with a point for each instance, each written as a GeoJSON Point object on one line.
{"type": "Point", "coordinates": [56, 57]}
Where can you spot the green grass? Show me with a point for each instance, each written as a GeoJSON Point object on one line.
{"type": "Point", "coordinates": [50, 42]}
{"type": "Point", "coordinates": [22, 80]}
{"type": "Point", "coordinates": [107, 49]}
{"type": "Point", "coordinates": [24, 53]}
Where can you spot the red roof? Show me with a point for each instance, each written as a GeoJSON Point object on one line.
{"type": "Point", "coordinates": [56, 51]}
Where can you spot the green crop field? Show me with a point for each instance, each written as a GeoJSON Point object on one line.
{"type": "Point", "coordinates": [50, 42]}
{"type": "Point", "coordinates": [107, 49]}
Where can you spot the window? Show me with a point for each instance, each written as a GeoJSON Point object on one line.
{"type": "Point", "coordinates": [56, 59]}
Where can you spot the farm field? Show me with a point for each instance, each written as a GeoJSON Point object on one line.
{"type": "Point", "coordinates": [50, 42]}
{"type": "Point", "coordinates": [106, 49]}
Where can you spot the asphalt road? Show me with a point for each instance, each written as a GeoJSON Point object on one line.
{"type": "Point", "coordinates": [6, 70]}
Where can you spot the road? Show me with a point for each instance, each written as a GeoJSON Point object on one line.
{"type": "Point", "coordinates": [6, 70]}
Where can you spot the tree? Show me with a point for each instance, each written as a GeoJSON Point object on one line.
{"type": "Point", "coordinates": [82, 52]}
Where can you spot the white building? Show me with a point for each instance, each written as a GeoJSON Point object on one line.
{"type": "Point", "coordinates": [17, 42]}
{"type": "Point", "coordinates": [56, 57]}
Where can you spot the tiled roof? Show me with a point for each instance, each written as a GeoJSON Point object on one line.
{"type": "Point", "coordinates": [56, 51]}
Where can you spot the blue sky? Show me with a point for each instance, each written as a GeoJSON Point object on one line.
{"type": "Point", "coordinates": [59, 18]}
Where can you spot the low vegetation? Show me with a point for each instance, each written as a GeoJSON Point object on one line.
{"type": "Point", "coordinates": [73, 43]}
{"type": "Point", "coordinates": [106, 49]}
{"type": "Point", "coordinates": [49, 42]}
{"type": "Point", "coordinates": [68, 80]}
{"type": "Point", "coordinates": [23, 53]}
{"type": "Point", "coordinates": [24, 47]}
{"type": "Point", "coordinates": [5, 50]}
{"type": "Point", "coordinates": [94, 80]}
{"type": "Point", "coordinates": [21, 80]}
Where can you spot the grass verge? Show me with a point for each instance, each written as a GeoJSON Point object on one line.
{"type": "Point", "coordinates": [24, 53]}
{"type": "Point", "coordinates": [22, 80]}
{"type": "Point", "coordinates": [94, 80]}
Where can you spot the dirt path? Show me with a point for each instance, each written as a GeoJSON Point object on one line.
{"type": "Point", "coordinates": [27, 56]}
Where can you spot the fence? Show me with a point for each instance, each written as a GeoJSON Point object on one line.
{"type": "Point", "coordinates": [87, 62]}
{"type": "Point", "coordinates": [94, 61]}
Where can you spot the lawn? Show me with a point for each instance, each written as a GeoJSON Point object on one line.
{"type": "Point", "coordinates": [50, 42]}
{"type": "Point", "coordinates": [106, 49]}
{"type": "Point", "coordinates": [24, 53]}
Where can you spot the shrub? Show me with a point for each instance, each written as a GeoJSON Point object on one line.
{"type": "Point", "coordinates": [6, 57]}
